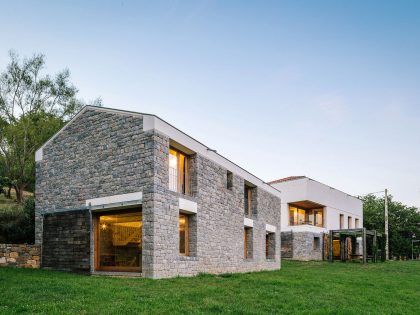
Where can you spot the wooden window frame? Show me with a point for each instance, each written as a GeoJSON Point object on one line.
{"type": "Point", "coordinates": [249, 200]}
{"type": "Point", "coordinates": [187, 235]}
{"type": "Point", "coordinates": [183, 172]}
{"type": "Point", "coordinates": [245, 243]}
{"type": "Point", "coordinates": [96, 243]}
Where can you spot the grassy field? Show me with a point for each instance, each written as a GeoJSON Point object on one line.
{"type": "Point", "coordinates": [299, 287]}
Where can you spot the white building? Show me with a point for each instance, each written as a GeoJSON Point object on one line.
{"type": "Point", "coordinates": [310, 209]}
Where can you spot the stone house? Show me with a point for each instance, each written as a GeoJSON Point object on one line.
{"type": "Point", "coordinates": [120, 192]}
{"type": "Point", "coordinates": [310, 210]}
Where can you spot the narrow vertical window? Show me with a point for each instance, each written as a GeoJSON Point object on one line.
{"type": "Point", "coordinates": [356, 223]}
{"type": "Point", "coordinates": [270, 245]}
{"type": "Point", "coordinates": [316, 243]}
{"type": "Point", "coordinates": [341, 221]}
{"type": "Point", "coordinates": [179, 175]}
{"type": "Point", "coordinates": [229, 180]}
{"type": "Point", "coordinates": [349, 223]}
{"type": "Point", "coordinates": [184, 246]}
{"type": "Point", "coordinates": [248, 248]}
{"type": "Point", "coordinates": [248, 200]}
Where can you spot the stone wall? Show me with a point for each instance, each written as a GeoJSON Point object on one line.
{"type": "Point", "coordinates": [103, 154]}
{"type": "Point", "coordinates": [302, 245]}
{"type": "Point", "coordinates": [20, 255]}
{"type": "Point", "coordinates": [66, 241]}
{"type": "Point", "coordinates": [99, 154]}
{"type": "Point", "coordinates": [286, 244]}
{"type": "Point", "coordinates": [219, 219]}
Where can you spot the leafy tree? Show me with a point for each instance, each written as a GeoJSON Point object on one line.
{"type": "Point", "coordinates": [404, 222]}
{"type": "Point", "coordinates": [33, 106]}
{"type": "Point", "coordinates": [18, 223]}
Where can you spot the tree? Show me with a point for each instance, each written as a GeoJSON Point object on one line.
{"type": "Point", "coordinates": [33, 106]}
{"type": "Point", "coordinates": [404, 222]}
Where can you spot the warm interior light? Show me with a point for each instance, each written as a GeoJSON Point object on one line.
{"type": "Point", "coordinates": [103, 226]}
{"type": "Point", "coordinates": [173, 161]}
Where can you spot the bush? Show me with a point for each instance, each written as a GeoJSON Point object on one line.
{"type": "Point", "coordinates": [17, 223]}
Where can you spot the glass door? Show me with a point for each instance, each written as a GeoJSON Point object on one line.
{"type": "Point", "coordinates": [118, 245]}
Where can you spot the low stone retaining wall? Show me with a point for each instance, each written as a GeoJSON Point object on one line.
{"type": "Point", "coordinates": [20, 255]}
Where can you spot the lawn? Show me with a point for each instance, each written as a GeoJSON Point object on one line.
{"type": "Point", "coordinates": [299, 287]}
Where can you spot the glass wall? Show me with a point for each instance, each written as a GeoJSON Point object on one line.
{"type": "Point", "coordinates": [299, 216]}
{"type": "Point", "coordinates": [119, 241]}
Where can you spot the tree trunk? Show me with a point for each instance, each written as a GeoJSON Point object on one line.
{"type": "Point", "coordinates": [9, 190]}
{"type": "Point", "coordinates": [19, 193]}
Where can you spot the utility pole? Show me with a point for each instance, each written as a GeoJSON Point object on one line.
{"type": "Point", "coordinates": [386, 226]}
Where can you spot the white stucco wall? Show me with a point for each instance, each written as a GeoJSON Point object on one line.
{"type": "Point", "coordinates": [335, 201]}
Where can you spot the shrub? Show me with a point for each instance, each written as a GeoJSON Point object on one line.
{"type": "Point", "coordinates": [17, 223]}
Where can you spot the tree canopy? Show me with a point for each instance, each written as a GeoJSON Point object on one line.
{"type": "Point", "coordinates": [33, 106]}
{"type": "Point", "coordinates": [403, 222]}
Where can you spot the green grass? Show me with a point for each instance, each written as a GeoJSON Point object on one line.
{"type": "Point", "coordinates": [299, 287]}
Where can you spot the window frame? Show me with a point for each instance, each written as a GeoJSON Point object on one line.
{"type": "Point", "coordinates": [183, 171]}
{"type": "Point", "coordinates": [187, 234]}
{"type": "Point", "coordinates": [248, 200]}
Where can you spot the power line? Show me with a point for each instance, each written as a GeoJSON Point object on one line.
{"type": "Point", "coordinates": [372, 193]}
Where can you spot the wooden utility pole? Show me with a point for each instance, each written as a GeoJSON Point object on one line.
{"type": "Point", "coordinates": [386, 226]}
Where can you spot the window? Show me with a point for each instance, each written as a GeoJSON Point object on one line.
{"type": "Point", "coordinates": [179, 175]}
{"type": "Point", "coordinates": [356, 223]}
{"type": "Point", "coordinates": [316, 243]}
{"type": "Point", "coordinates": [270, 245]}
{"type": "Point", "coordinates": [229, 180]}
{"type": "Point", "coordinates": [298, 216]}
{"type": "Point", "coordinates": [248, 235]}
{"type": "Point", "coordinates": [118, 241]}
{"type": "Point", "coordinates": [248, 200]}
{"type": "Point", "coordinates": [184, 244]}
{"type": "Point", "coordinates": [349, 223]}
{"type": "Point", "coordinates": [341, 221]}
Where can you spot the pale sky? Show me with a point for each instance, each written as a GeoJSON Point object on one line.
{"type": "Point", "coordinates": [326, 89]}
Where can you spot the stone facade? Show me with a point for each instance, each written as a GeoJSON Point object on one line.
{"type": "Point", "coordinates": [20, 255]}
{"type": "Point", "coordinates": [302, 245]}
{"type": "Point", "coordinates": [103, 153]}
{"type": "Point", "coordinates": [66, 240]}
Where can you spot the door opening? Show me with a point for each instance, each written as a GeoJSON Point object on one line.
{"type": "Point", "coordinates": [118, 241]}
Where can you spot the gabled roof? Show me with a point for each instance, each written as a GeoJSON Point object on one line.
{"type": "Point", "coordinates": [286, 179]}
{"type": "Point", "coordinates": [154, 122]}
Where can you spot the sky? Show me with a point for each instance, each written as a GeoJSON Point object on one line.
{"type": "Point", "coordinates": [326, 89]}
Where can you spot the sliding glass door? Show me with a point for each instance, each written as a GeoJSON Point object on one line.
{"type": "Point", "coordinates": [118, 243]}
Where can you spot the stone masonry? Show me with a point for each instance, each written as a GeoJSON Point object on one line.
{"type": "Point", "coordinates": [105, 153]}
{"type": "Point", "coordinates": [302, 245]}
{"type": "Point", "coordinates": [66, 241]}
{"type": "Point", "coordinates": [20, 255]}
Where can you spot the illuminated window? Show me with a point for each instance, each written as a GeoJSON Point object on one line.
{"type": "Point", "coordinates": [179, 180]}
{"type": "Point", "coordinates": [118, 241]}
{"type": "Point", "coordinates": [356, 223]}
{"type": "Point", "coordinates": [184, 246]}
{"type": "Point", "coordinates": [298, 216]}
